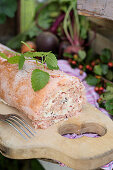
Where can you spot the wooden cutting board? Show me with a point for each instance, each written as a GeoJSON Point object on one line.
{"type": "Point", "coordinates": [81, 154]}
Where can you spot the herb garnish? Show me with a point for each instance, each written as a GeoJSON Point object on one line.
{"type": "Point", "coordinates": [39, 78]}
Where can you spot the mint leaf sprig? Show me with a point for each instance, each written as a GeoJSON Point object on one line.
{"type": "Point", "coordinates": [39, 78]}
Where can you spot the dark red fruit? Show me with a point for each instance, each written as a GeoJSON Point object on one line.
{"type": "Point", "coordinates": [96, 89]}
{"type": "Point", "coordinates": [88, 66]}
{"type": "Point", "coordinates": [73, 62]}
{"type": "Point", "coordinates": [110, 64]}
{"type": "Point", "coordinates": [99, 92]}
{"type": "Point", "coordinates": [80, 67]}
{"type": "Point", "coordinates": [101, 88]}
{"type": "Point", "coordinates": [47, 41]}
{"type": "Point", "coordinates": [93, 63]}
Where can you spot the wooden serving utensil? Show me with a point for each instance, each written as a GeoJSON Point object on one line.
{"type": "Point", "coordinates": [81, 154]}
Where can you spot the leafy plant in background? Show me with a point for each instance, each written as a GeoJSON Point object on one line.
{"type": "Point", "coordinates": [7, 9]}
{"type": "Point", "coordinates": [99, 69]}
{"type": "Point", "coordinates": [55, 16]}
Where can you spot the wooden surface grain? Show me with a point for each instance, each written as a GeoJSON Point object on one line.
{"type": "Point", "coordinates": [81, 154]}
{"type": "Point", "coordinates": [96, 8]}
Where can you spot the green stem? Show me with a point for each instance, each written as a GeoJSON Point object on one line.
{"type": "Point", "coordinates": [76, 23]}
{"type": "Point", "coordinates": [65, 24]}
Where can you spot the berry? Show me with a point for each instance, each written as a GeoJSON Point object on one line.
{"type": "Point", "coordinates": [80, 67]}
{"type": "Point", "coordinates": [96, 89]}
{"type": "Point", "coordinates": [69, 60]}
{"type": "Point", "coordinates": [81, 72]}
{"type": "Point", "coordinates": [110, 64]}
{"type": "Point", "coordinates": [75, 56]}
{"type": "Point", "coordinates": [101, 88]}
{"type": "Point", "coordinates": [99, 100]}
{"type": "Point", "coordinates": [73, 62]}
{"type": "Point", "coordinates": [99, 92]}
{"type": "Point", "coordinates": [88, 66]}
{"type": "Point", "coordinates": [93, 63]}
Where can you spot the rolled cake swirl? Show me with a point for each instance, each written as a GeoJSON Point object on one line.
{"type": "Point", "coordinates": [61, 98]}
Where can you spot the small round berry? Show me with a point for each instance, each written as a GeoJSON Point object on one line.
{"type": "Point", "coordinates": [110, 64]}
{"type": "Point", "coordinates": [99, 100]}
{"type": "Point", "coordinates": [93, 63]}
{"type": "Point", "coordinates": [73, 62]}
{"type": "Point", "coordinates": [81, 72]}
{"type": "Point", "coordinates": [96, 89]}
{"type": "Point", "coordinates": [75, 56]}
{"type": "Point", "coordinates": [99, 92]}
{"type": "Point", "coordinates": [101, 88]}
{"type": "Point", "coordinates": [88, 66]}
{"type": "Point", "coordinates": [80, 67]}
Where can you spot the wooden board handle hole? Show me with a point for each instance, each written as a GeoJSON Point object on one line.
{"type": "Point", "coordinates": [92, 128]}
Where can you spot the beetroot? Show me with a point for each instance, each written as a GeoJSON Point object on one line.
{"type": "Point", "coordinates": [47, 41]}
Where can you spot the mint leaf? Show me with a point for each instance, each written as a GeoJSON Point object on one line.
{"type": "Point", "coordinates": [98, 70]}
{"type": "Point", "coordinates": [109, 75]}
{"type": "Point", "coordinates": [36, 54]}
{"type": "Point", "coordinates": [109, 105]}
{"type": "Point", "coordinates": [106, 55]}
{"type": "Point", "coordinates": [82, 54]}
{"type": "Point", "coordinates": [21, 61]}
{"type": "Point", "coordinates": [104, 69]}
{"type": "Point", "coordinates": [91, 80]}
{"type": "Point", "coordinates": [39, 79]}
{"type": "Point", "coordinates": [3, 55]}
{"type": "Point", "coordinates": [13, 60]}
{"type": "Point", "coordinates": [51, 62]}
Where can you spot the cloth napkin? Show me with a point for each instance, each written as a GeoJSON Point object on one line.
{"type": "Point", "coordinates": [92, 97]}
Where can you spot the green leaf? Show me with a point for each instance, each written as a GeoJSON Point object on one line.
{"type": "Point", "coordinates": [13, 60]}
{"type": "Point", "coordinates": [109, 75]}
{"type": "Point", "coordinates": [2, 18]}
{"type": "Point", "coordinates": [39, 79]}
{"type": "Point", "coordinates": [82, 54]}
{"type": "Point", "coordinates": [111, 112]}
{"type": "Point", "coordinates": [104, 69]}
{"type": "Point", "coordinates": [106, 55]}
{"type": "Point", "coordinates": [109, 89]}
{"type": "Point", "coordinates": [21, 61]}
{"type": "Point", "coordinates": [109, 105]}
{"type": "Point", "coordinates": [36, 54]}
{"type": "Point", "coordinates": [91, 80]}
{"type": "Point", "coordinates": [107, 96]}
{"type": "Point", "coordinates": [3, 55]}
{"type": "Point", "coordinates": [98, 69]}
{"type": "Point", "coordinates": [51, 62]}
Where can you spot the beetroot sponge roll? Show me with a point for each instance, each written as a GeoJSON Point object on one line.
{"type": "Point", "coordinates": [61, 98]}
